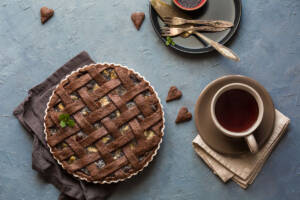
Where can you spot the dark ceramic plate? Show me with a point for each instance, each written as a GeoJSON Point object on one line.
{"type": "Point", "coordinates": [229, 10]}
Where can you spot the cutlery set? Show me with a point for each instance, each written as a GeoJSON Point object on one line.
{"type": "Point", "coordinates": [201, 25]}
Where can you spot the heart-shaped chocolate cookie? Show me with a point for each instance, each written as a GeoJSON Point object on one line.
{"type": "Point", "coordinates": [137, 19]}
{"type": "Point", "coordinates": [46, 14]}
{"type": "Point", "coordinates": [183, 115]}
{"type": "Point", "coordinates": [174, 93]}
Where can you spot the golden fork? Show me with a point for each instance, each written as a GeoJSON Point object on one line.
{"type": "Point", "coordinates": [181, 21]}
{"type": "Point", "coordinates": [177, 31]}
{"type": "Point", "coordinates": [228, 53]}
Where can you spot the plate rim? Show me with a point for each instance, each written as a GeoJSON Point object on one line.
{"type": "Point", "coordinates": [238, 3]}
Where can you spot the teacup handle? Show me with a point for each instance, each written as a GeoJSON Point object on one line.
{"type": "Point", "coordinates": [252, 144]}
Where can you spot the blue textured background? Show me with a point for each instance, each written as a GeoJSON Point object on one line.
{"type": "Point", "coordinates": [268, 43]}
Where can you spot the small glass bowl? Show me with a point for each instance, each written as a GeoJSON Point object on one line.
{"type": "Point", "coordinates": [200, 5]}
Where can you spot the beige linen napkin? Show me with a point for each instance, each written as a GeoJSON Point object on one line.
{"type": "Point", "coordinates": [241, 169]}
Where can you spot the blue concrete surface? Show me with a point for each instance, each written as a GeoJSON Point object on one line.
{"type": "Point", "coordinates": [268, 43]}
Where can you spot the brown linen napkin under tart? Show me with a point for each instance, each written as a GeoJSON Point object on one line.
{"type": "Point", "coordinates": [31, 115]}
{"type": "Point", "coordinates": [241, 169]}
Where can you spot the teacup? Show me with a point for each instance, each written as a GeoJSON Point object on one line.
{"type": "Point", "coordinates": [237, 110]}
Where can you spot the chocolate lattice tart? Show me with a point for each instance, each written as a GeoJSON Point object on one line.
{"type": "Point", "coordinates": [118, 123]}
